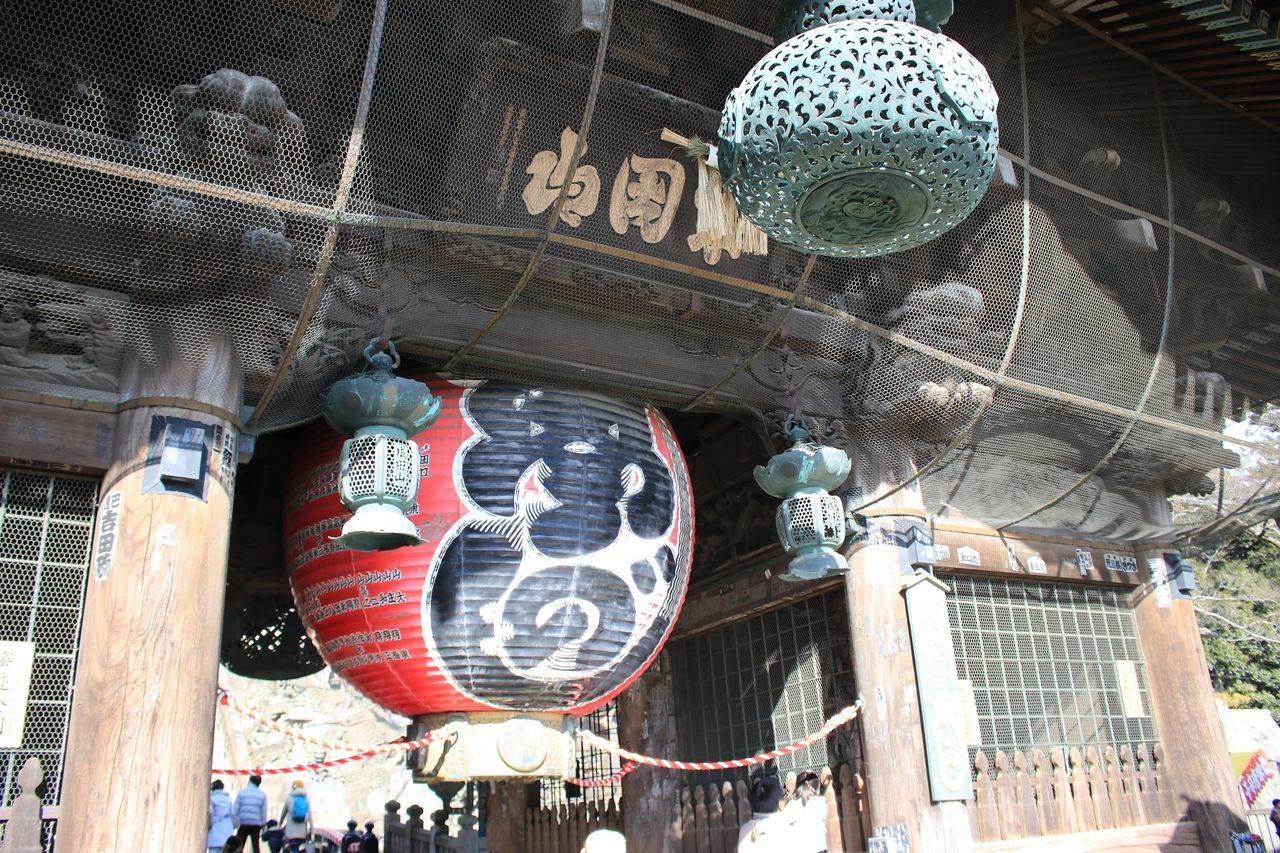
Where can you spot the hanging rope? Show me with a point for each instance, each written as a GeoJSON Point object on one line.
{"type": "Point", "coordinates": [759, 758]}
{"type": "Point", "coordinates": [633, 759]}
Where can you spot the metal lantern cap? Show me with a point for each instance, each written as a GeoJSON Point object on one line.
{"type": "Point", "coordinates": [378, 527]}
{"type": "Point", "coordinates": [379, 398]}
{"type": "Point", "coordinates": [804, 467]}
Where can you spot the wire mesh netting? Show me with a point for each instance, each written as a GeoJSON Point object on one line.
{"type": "Point", "coordinates": [764, 682]}
{"type": "Point", "coordinates": [46, 523]}
{"type": "Point", "coordinates": [486, 183]}
{"type": "Point", "coordinates": [1050, 665]}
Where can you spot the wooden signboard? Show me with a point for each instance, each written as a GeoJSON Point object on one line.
{"type": "Point", "coordinates": [630, 192]}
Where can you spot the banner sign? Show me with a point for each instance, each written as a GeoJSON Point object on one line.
{"type": "Point", "coordinates": [1257, 775]}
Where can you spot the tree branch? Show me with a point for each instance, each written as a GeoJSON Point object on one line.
{"type": "Point", "coordinates": [1248, 632]}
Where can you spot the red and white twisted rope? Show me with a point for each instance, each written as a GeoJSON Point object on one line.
{"type": "Point", "coordinates": [760, 758]}
{"type": "Point", "coordinates": [627, 767]}
{"type": "Point", "coordinates": [358, 753]}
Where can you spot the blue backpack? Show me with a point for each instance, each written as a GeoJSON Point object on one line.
{"type": "Point", "coordinates": [299, 808]}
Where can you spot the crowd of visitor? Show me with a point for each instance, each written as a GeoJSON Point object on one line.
{"type": "Point", "coordinates": [240, 825]}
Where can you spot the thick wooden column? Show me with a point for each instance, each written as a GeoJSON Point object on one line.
{"type": "Point", "coordinates": [647, 725]}
{"type": "Point", "coordinates": [141, 737]}
{"type": "Point", "coordinates": [884, 671]}
{"type": "Point", "coordinates": [1190, 731]}
{"type": "Point", "coordinates": [504, 816]}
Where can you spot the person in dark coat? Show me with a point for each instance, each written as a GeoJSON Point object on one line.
{"type": "Point", "coordinates": [352, 839]}
{"type": "Point", "coordinates": [369, 841]}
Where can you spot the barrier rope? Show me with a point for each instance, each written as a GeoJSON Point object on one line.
{"type": "Point", "coordinates": [633, 759]}
{"type": "Point", "coordinates": [828, 727]}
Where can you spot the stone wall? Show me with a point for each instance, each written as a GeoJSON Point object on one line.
{"type": "Point", "coordinates": [325, 706]}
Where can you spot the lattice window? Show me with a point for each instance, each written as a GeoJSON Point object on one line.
{"type": "Point", "coordinates": [763, 682]}
{"type": "Point", "coordinates": [46, 524]}
{"type": "Point", "coordinates": [589, 763]}
{"type": "Point", "coordinates": [1042, 658]}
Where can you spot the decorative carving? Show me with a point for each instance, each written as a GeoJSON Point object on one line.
{"type": "Point", "coordinates": [896, 155]}
{"type": "Point", "coordinates": [950, 316]}
{"type": "Point", "coordinates": [807, 14]}
{"type": "Point", "coordinates": [71, 343]}
{"type": "Point", "coordinates": [254, 104]}
{"type": "Point", "coordinates": [22, 832]}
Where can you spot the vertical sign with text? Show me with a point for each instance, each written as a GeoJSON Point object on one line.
{"type": "Point", "coordinates": [16, 659]}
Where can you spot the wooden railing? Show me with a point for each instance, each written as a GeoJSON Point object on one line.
{"type": "Point", "coordinates": [412, 836]}
{"type": "Point", "coordinates": [1095, 790]}
{"type": "Point", "coordinates": [564, 829]}
{"type": "Point", "coordinates": [706, 819]}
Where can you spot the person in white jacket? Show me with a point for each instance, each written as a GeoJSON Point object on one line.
{"type": "Point", "coordinates": [221, 824]}
{"type": "Point", "coordinates": [251, 812]}
{"type": "Point", "coordinates": [768, 831]}
{"type": "Point", "coordinates": [807, 814]}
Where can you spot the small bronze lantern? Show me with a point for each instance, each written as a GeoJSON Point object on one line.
{"type": "Point", "coordinates": [810, 519]}
{"type": "Point", "coordinates": [378, 479]}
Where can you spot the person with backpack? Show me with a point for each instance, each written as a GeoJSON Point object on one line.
{"type": "Point", "coordinates": [352, 840]}
{"type": "Point", "coordinates": [296, 816]}
{"type": "Point", "coordinates": [251, 812]}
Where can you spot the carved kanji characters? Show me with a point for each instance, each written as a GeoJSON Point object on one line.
{"type": "Point", "coordinates": [649, 199]}
{"type": "Point", "coordinates": [549, 172]}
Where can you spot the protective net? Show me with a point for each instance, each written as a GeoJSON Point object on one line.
{"type": "Point", "coordinates": [486, 183]}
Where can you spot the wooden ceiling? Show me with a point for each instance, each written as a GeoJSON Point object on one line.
{"type": "Point", "coordinates": [1164, 36]}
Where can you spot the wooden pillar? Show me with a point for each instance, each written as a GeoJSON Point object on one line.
{"type": "Point", "coordinates": [647, 725]}
{"type": "Point", "coordinates": [884, 670]}
{"type": "Point", "coordinates": [504, 816]}
{"type": "Point", "coordinates": [141, 732]}
{"type": "Point", "coordinates": [1195, 751]}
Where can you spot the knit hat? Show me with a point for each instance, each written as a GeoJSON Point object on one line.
{"type": "Point", "coordinates": [766, 793]}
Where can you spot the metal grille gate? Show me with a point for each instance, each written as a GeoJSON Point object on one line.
{"type": "Point", "coordinates": [46, 522]}
{"type": "Point", "coordinates": [1042, 659]}
{"type": "Point", "coordinates": [764, 681]}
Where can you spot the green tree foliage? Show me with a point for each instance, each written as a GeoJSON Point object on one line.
{"type": "Point", "coordinates": [1239, 610]}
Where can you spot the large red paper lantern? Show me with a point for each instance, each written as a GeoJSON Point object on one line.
{"type": "Point", "coordinates": [560, 535]}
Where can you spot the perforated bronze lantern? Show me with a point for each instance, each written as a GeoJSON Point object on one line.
{"type": "Point", "coordinates": [862, 136]}
{"type": "Point", "coordinates": [810, 520]}
{"type": "Point", "coordinates": [378, 477]}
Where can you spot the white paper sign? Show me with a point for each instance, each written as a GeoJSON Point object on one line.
{"type": "Point", "coordinates": [969, 556]}
{"type": "Point", "coordinates": [16, 659]}
{"type": "Point", "coordinates": [1130, 694]}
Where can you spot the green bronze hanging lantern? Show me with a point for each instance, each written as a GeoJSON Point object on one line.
{"type": "Point", "coordinates": [861, 136]}
{"type": "Point", "coordinates": [810, 519]}
{"type": "Point", "coordinates": [379, 472]}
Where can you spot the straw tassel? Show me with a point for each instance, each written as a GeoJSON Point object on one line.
{"type": "Point", "coordinates": [720, 228]}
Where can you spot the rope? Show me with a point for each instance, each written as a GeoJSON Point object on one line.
{"type": "Point", "coordinates": [759, 758]}
{"type": "Point", "coordinates": [633, 759]}
{"type": "Point", "coordinates": [627, 767]}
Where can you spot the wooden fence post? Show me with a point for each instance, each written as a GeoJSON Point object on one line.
{"type": "Point", "coordinates": [1046, 808]}
{"type": "Point", "coordinates": [1103, 818]}
{"type": "Point", "coordinates": [1133, 787]}
{"type": "Point", "coordinates": [1082, 804]}
{"type": "Point", "coordinates": [985, 798]}
{"type": "Point", "coordinates": [1062, 795]}
{"type": "Point", "coordinates": [1026, 796]}
{"type": "Point", "coordinates": [1115, 789]}
{"type": "Point", "coordinates": [1007, 799]}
